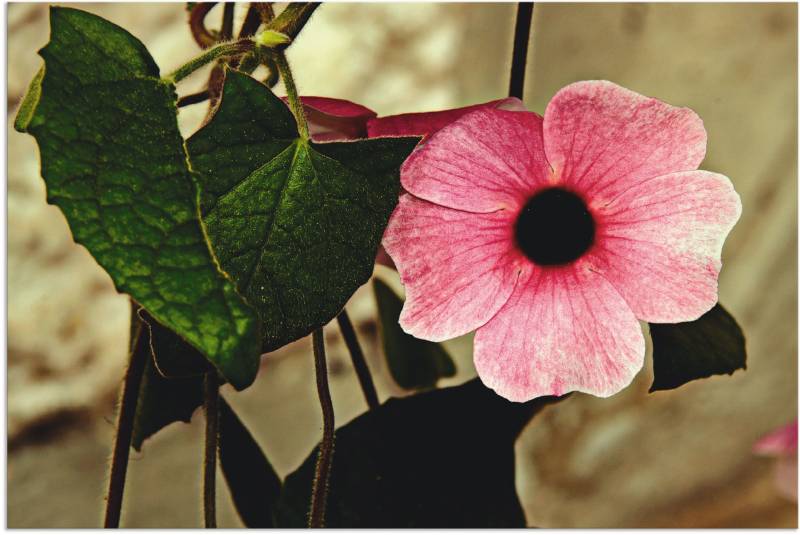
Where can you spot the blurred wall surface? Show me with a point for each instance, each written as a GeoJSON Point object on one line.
{"type": "Point", "coordinates": [673, 459]}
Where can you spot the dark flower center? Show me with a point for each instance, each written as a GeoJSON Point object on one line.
{"type": "Point", "coordinates": [555, 227]}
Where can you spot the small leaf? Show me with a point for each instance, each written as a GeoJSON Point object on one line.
{"type": "Point", "coordinates": [297, 224]}
{"type": "Point", "coordinates": [29, 102]}
{"type": "Point", "coordinates": [115, 164]}
{"type": "Point", "coordinates": [414, 363]}
{"type": "Point", "coordinates": [254, 485]}
{"type": "Point", "coordinates": [682, 352]}
{"type": "Point", "coordinates": [163, 401]}
{"type": "Point", "coordinates": [442, 458]}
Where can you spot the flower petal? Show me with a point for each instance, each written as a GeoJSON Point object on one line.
{"type": "Point", "coordinates": [488, 160]}
{"type": "Point", "coordinates": [660, 243]}
{"type": "Point", "coordinates": [458, 268]}
{"type": "Point", "coordinates": [781, 441]}
{"type": "Point", "coordinates": [600, 137]}
{"type": "Point", "coordinates": [333, 119]}
{"type": "Point", "coordinates": [425, 124]}
{"type": "Point", "coordinates": [563, 329]}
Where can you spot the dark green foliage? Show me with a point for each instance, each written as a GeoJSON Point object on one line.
{"type": "Point", "coordinates": [414, 363]}
{"type": "Point", "coordinates": [254, 485]}
{"type": "Point", "coordinates": [114, 163]}
{"type": "Point", "coordinates": [297, 224]}
{"type": "Point", "coordinates": [682, 352]}
{"type": "Point", "coordinates": [442, 458]}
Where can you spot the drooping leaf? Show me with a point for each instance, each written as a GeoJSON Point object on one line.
{"type": "Point", "coordinates": [711, 345]}
{"type": "Point", "coordinates": [114, 163]}
{"type": "Point", "coordinates": [172, 356]}
{"type": "Point", "coordinates": [254, 485]}
{"type": "Point", "coordinates": [163, 401]}
{"type": "Point", "coordinates": [296, 223]}
{"type": "Point", "coordinates": [413, 363]}
{"type": "Point", "coordinates": [442, 458]}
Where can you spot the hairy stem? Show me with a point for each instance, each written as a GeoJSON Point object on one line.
{"type": "Point", "coordinates": [211, 408]}
{"type": "Point", "coordinates": [252, 20]}
{"type": "Point", "coordinates": [359, 362]}
{"type": "Point", "coordinates": [291, 92]}
{"type": "Point", "coordinates": [319, 489]}
{"type": "Point", "coordinates": [293, 18]}
{"type": "Point", "coordinates": [139, 351]}
{"type": "Point", "coordinates": [225, 49]}
{"type": "Point", "coordinates": [519, 58]}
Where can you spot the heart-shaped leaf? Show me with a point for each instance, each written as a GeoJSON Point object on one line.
{"type": "Point", "coordinates": [413, 363]}
{"type": "Point", "coordinates": [115, 164]}
{"type": "Point", "coordinates": [682, 352]}
{"type": "Point", "coordinates": [296, 223]}
{"type": "Point", "coordinates": [442, 458]}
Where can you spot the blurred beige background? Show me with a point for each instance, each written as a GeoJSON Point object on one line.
{"type": "Point", "coordinates": [674, 459]}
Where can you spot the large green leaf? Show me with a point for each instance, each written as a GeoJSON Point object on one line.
{"type": "Point", "coordinates": [682, 352]}
{"type": "Point", "coordinates": [442, 458]}
{"type": "Point", "coordinates": [296, 223]}
{"type": "Point", "coordinates": [114, 162]}
{"type": "Point", "coordinates": [413, 363]}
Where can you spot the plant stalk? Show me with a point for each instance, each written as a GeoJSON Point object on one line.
{"type": "Point", "coordinates": [211, 408]}
{"type": "Point", "coordinates": [319, 489]}
{"type": "Point", "coordinates": [139, 351]}
{"type": "Point", "coordinates": [291, 92]}
{"type": "Point", "coordinates": [225, 49]}
{"type": "Point", "coordinates": [359, 362]}
{"type": "Point", "coordinates": [522, 31]}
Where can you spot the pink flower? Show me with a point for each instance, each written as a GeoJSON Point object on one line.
{"type": "Point", "coordinates": [782, 443]}
{"type": "Point", "coordinates": [552, 236]}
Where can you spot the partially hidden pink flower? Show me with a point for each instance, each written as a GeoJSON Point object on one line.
{"type": "Point", "coordinates": [782, 444]}
{"type": "Point", "coordinates": [552, 236]}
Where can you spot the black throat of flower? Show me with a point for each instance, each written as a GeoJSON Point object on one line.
{"type": "Point", "coordinates": [554, 228]}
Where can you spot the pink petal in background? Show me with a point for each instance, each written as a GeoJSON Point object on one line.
{"type": "Point", "coordinates": [601, 138]}
{"type": "Point", "coordinates": [782, 443]}
{"type": "Point", "coordinates": [427, 123]}
{"type": "Point", "coordinates": [563, 329]}
{"type": "Point", "coordinates": [660, 243]}
{"type": "Point", "coordinates": [333, 119]}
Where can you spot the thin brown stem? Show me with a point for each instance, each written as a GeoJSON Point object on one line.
{"type": "Point", "coordinates": [359, 362]}
{"type": "Point", "coordinates": [194, 98]}
{"type": "Point", "coordinates": [197, 16]}
{"type": "Point", "coordinates": [522, 35]}
{"type": "Point", "coordinates": [211, 408]}
{"type": "Point", "coordinates": [139, 352]}
{"type": "Point", "coordinates": [252, 20]}
{"type": "Point", "coordinates": [226, 32]}
{"type": "Point", "coordinates": [319, 489]}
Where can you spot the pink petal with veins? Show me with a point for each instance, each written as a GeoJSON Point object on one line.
{"type": "Point", "coordinates": [488, 160]}
{"type": "Point", "coordinates": [563, 329]}
{"type": "Point", "coordinates": [660, 243]}
{"type": "Point", "coordinates": [602, 139]}
{"type": "Point", "coordinates": [458, 268]}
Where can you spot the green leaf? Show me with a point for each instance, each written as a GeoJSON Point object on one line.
{"type": "Point", "coordinates": [162, 401]}
{"type": "Point", "coordinates": [29, 102]}
{"type": "Point", "coordinates": [442, 458]}
{"type": "Point", "coordinates": [414, 363]}
{"type": "Point", "coordinates": [297, 224]}
{"type": "Point", "coordinates": [254, 485]}
{"type": "Point", "coordinates": [682, 352]}
{"type": "Point", "coordinates": [114, 162]}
